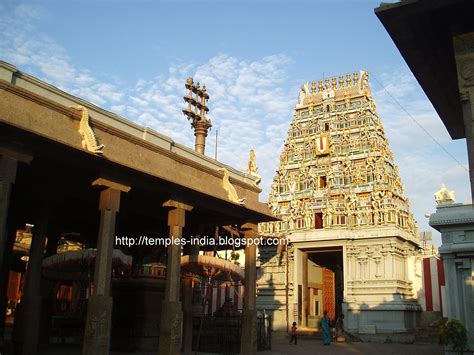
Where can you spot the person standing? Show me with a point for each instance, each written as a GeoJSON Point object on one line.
{"type": "Point", "coordinates": [293, 333]}
{"type": "Point", "coordinates": [326, 329]}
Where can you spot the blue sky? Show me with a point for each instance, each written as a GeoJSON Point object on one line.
{"type": "Point", "coordinates": [132, 57]}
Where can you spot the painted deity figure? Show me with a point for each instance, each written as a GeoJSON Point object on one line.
{"type": "Point", "coordinates": [308, 218]}
{"type": "Point", "coordinates": [359, 217]}
{"type": "Point", "coordinates": [351, 205]}
{"type": "Point", "coordinates": [364, 82]}
{"type": "Point", "coordinates": [328, 214]}
{"type": "Point", "coordinates": [330, 178]}
{"type": "Point", "coordinates": [376, 206]}
{"type": "Point", "coordinates": [252, 165]}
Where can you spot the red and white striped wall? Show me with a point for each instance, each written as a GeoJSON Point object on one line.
{"type": "Point", "coordinates": [433, 285]}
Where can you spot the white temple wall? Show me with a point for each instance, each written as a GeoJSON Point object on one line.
{"type": "Point", "coordinates": [315, 273]}
{"type": "Point", "coordinates": [415, 275]}
{"type": "Point", "coordinates": [382, 279]}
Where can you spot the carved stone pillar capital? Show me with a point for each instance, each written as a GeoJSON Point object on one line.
{"type": "Point", "coordinates": [110, 197]}
{"type": "Point", "coordinates": [176, 216]}
{"type": "Point", "coordinates": [464, 53]}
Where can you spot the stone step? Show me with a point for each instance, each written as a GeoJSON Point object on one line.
{"type": "Point", "coordinates": [425, 336]}
{"type": "Point", "coordinates": [309, 332]}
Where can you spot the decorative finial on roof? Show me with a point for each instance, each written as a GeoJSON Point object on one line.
{"type": "Point", "coordinates": [320, 85]}
{"type": "Point", "coordinates": [304, 91]}
{"type": "Point", "coordinates": [364, 82]}
{"type": "Point", "coordinates": [356, 78]}
{"type": "Point", "coordinates": [444, 197]}
{"type": "Point", "coordinates": [326, 84]}
{"type": "Point", "coordinates": [341, 81]}
{"type": "Point", "coordinates": [313, 87]}
{"type": "Point", "coordinates": [252, 167]}
{"type": "Point", "coordinates": [348, 79]}
{"type": "Point", "coordinates": [334, 83]}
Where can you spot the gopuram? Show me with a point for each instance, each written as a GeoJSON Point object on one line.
{"type": "Point", "coordinates": [353, 247]}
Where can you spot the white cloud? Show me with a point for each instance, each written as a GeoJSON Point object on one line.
{"type": "Point", "coordinates": [250, 101]}
{"type": "Point", "coordinates": [423, 164]}
{"type": "Point", "coordinates": [22, 44]}
{"type": "Point", "coordinates": [249, 105]}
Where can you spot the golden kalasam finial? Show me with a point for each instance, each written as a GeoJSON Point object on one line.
{"type": "Point", "coordinates": [356, 78]}
{"type": "Point", "coordinates": [348, 79]}
{"type": "Point", "coordinates": [320, 85]}
{"type": "Point", "coordinates": [326, 84]}
{"type": "Point", "coordinates": [334, 83]}
{"type": "Point", "coordinates": [341, 81]}
{"type": "Point", "coordinates": [313, 87]}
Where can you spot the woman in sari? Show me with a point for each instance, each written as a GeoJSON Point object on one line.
{"type": "Point", "coordinates": [326, 329]}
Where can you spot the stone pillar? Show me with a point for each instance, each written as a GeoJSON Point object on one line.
{"type": "Point", "coordinates": [248, 338]}
{"type": "Point", "coordinates": [187, 297]}
{"type": "Point", "coordinates": [171, 314]}
{"type": "Point", "coordinates": [346, 265]}
{"type": "Point", "coordinates": [99, 308]}
{"type": "Point", "coordinates": [464, 54]}
{"type": "Point", "coordinates": [304, 296]}
{"type": "Point", "coordinates": [31, 300]}
{"type": "Point", "coordinates": [450, 272]}
{"type": "Point", "coordinates": [455, 222]}
{"type": "Point", "coordinates": [187, 289]}
{"type": "Point", "coordinates": [7, 178]}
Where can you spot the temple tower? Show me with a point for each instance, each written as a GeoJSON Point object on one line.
{"type": "Point", "coordinates": [353, 241]}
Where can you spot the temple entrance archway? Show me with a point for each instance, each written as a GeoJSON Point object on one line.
{"type": "Point", "coordinates": [322, 287]}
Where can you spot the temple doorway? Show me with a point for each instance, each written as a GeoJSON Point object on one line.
{"type": "Point", "coordinates": [322, 285]}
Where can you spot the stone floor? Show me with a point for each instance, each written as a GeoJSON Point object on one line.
{"type": "Point", "coordinates": [315, 346]}
{"type": "Point", "coordinates": [305, 346]}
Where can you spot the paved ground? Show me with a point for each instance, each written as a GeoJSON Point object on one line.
{"type": "Point", "coordinates": [307, 346]}
{"type": "Point", "coordinates": [314, 346]}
